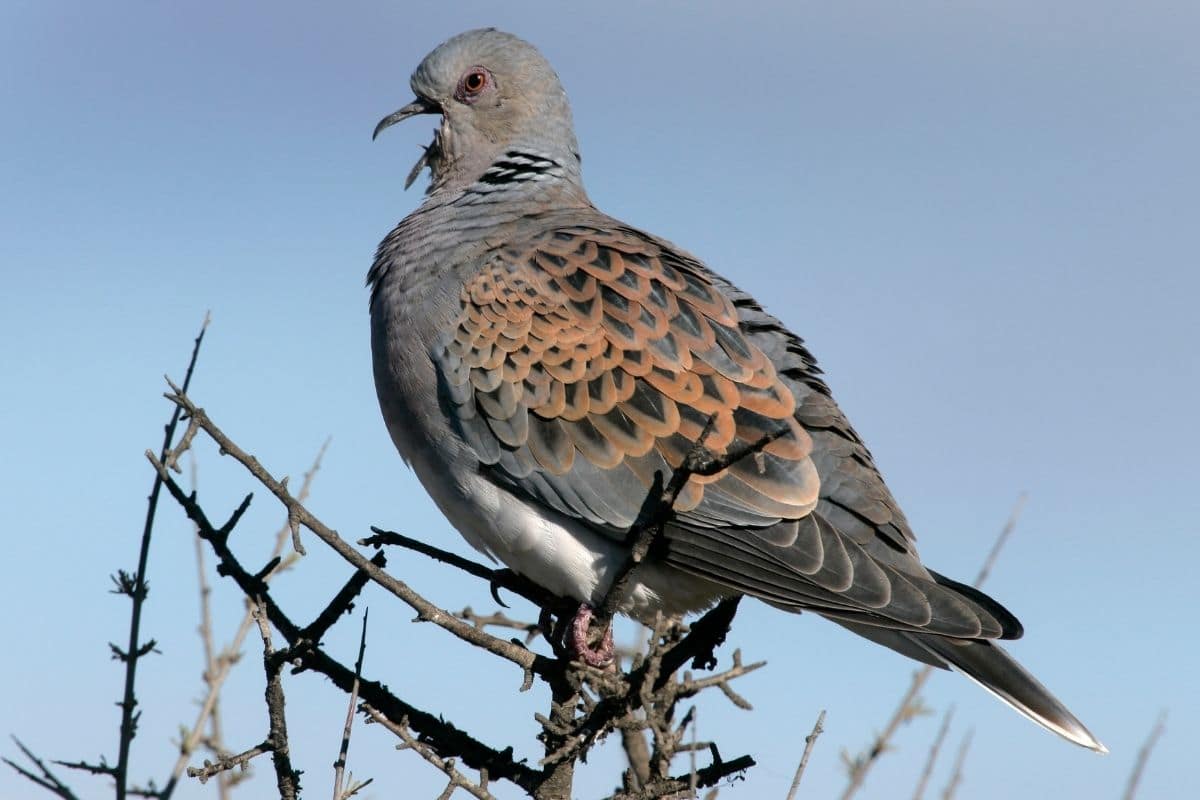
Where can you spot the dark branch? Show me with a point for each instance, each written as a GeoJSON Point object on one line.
{"type": "Point", "coordinates": [587, 703]}
{"type": "Point", "coordinates": [339, 766]}
{"type": "Point", "coordinates": [134, 650]}
{"type": "Point", "coordinates": [47, 780]}
{"type": "Point", "coordinates": [441, 735]}
{"type": "Point", "coordinates": [503, 578]}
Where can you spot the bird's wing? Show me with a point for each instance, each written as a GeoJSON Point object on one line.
{"type": "Point", "coordinates": [586, 358]}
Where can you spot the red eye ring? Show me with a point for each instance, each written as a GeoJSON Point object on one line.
{"type": "Point", "coordinates": [471, 84]}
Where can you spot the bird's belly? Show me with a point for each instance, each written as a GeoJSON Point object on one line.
{"type": "Point", "coordinates": [559, 554]}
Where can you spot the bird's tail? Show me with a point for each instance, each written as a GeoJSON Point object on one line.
{"type": "Point", "coordinates": [991, 667]}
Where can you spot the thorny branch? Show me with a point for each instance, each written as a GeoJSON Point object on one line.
{"type": "Point", "coordinates": [299, 516]}
{"type": "Point", "coordinates": [218, 665]}
{"type": "Point", "coordinates": [134, 651]}
{"type": "Point", "coordinates": [587, 703]}
{"type": "Point", "coordinates": [136, 587]}
{"type": "Point", "coordinates": [47, 779]}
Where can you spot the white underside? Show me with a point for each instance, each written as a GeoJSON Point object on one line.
{"type": "Point", "coordinates": [557, 553]}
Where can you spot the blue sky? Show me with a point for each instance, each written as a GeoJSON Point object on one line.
{"type": "Point", "coordinates": [982, 217]}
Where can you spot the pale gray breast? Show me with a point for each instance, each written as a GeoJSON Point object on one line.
{"type": "Point", "coordinates": [416, 282]}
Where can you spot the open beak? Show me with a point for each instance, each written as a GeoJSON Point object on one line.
{"type": "Point", "coordinates": [418, 106]}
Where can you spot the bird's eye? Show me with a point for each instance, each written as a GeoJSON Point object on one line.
{"type": "Point", "coordinates": [474, 81]}
{"type": "Point", "coordinates": [471, 84]}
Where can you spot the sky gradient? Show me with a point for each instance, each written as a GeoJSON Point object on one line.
{"type": "Point", "coordinates": [983, 218]}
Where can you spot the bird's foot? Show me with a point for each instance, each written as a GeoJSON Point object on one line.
{"type": "Point", "coordinates": [599, 655]}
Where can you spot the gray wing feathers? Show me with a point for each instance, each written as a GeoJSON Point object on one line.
{"type": "Point", "coordinates": [806, 563]}
{"type": "Point", "coordinates": [854, 497]}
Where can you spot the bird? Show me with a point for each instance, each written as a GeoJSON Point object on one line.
{"type": "Point", "coordinates": [540, 365]}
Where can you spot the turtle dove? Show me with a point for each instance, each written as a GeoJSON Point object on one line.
{"type": "Point", "coordinates": [538, 362]}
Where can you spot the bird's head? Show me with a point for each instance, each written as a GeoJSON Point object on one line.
{"type": "Point", "coordinates": [496, 94]}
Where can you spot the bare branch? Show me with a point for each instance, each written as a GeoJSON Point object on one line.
{"type": "Point", "coordinates": [1139, 765]}
{"type": "Point", "coordinates": [1001, 540]}
{"type": "Point", "coordinates": [909, 707]}
{"type": "Point", "coordinates": [705, 777]}
{"type": "Point", "coordinates": [447, 766]}
{"type": "Point", "coordinates": [226, 763]}
{"type": "Point", "coordinates": [500, 620]}
{"type": "Point", "coordinates": [956, 776]}
{"type": "Point", "coordinates": [923, 781]}
{"type": "Point", "coordinates": [219, 665]}
{"type": "Point", "coordinates": [587, 703]}
{"type": "Point", "coordinates": [216, 668]}
{"type": "Point", "coordinates": [340, 765]}
{"type": "Point", "coordinates": [498, 578]}
{"type": "Point", "coordinates": [128, 704]}
{"type": "Point", "coordinates": [47, 780]}
{"type": "Point", "coordinates": [287, 779]}
{"type": "Point", "coordinates": [809, 741]}
{"type": "Point", "coordinates": [426, 611]}
{"type": "Point", "coordinates": [442, 736]}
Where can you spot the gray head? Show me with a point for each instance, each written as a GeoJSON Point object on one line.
{"type": "Point", "coordinates": [497, 95]}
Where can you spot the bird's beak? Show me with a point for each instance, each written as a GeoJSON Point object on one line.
{"type": "Point", "coordinates": [418, 106]}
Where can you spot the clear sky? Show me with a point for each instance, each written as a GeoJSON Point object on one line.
{"type": "Point", "coordinates": [983, 217]}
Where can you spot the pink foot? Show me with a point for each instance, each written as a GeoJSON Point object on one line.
{"type": "Point", "coordinates": [577, 640]}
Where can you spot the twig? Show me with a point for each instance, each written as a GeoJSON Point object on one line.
{"type": "Point", "coordinates": [586, 704]}
{"type": "Point", "coordinates": [298, 516]}
{"type": "Point", "coordinates": [500, 620]}
{"type": "Point", "coordinates": [956, 776]}
{"type": "Point", "coordinates": [47, 780]}
{"type": "Point", "coordinates": [447, 766]}
{"type": "Point", "coordinates": [1001, 540]}
{"type": "Point", "coordinates": [340, 765]}
{"type": "Point", "coordinates": [134, 651]}
{"type": "Point", "coordinates": [909, 705]}
{"type": "Point", "coordinates": [226, 763]}
{"type": "Point", "coordinates": [498, 578]}
{"type": "Point", "coordinates": [220, 664]}
{"type": "Point", "coordinates": [287, 779]}
{"type": "Point", "coordinates": [693, 773]}
{"type": "Point", "coordinates": [809, 741]}
{"type": "Point", "coordinates": [703, 637]}
{"type": "Point", "coordinates": [705, 777]}
{"type": "Point", "coordinates": [439, 734]}
{"type": "Point", "coordinates": [923, 781]}
{"type": "Point", "coordinates": [215, 669]}
{"type": "Point", "coordinates": [1160, 727]}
